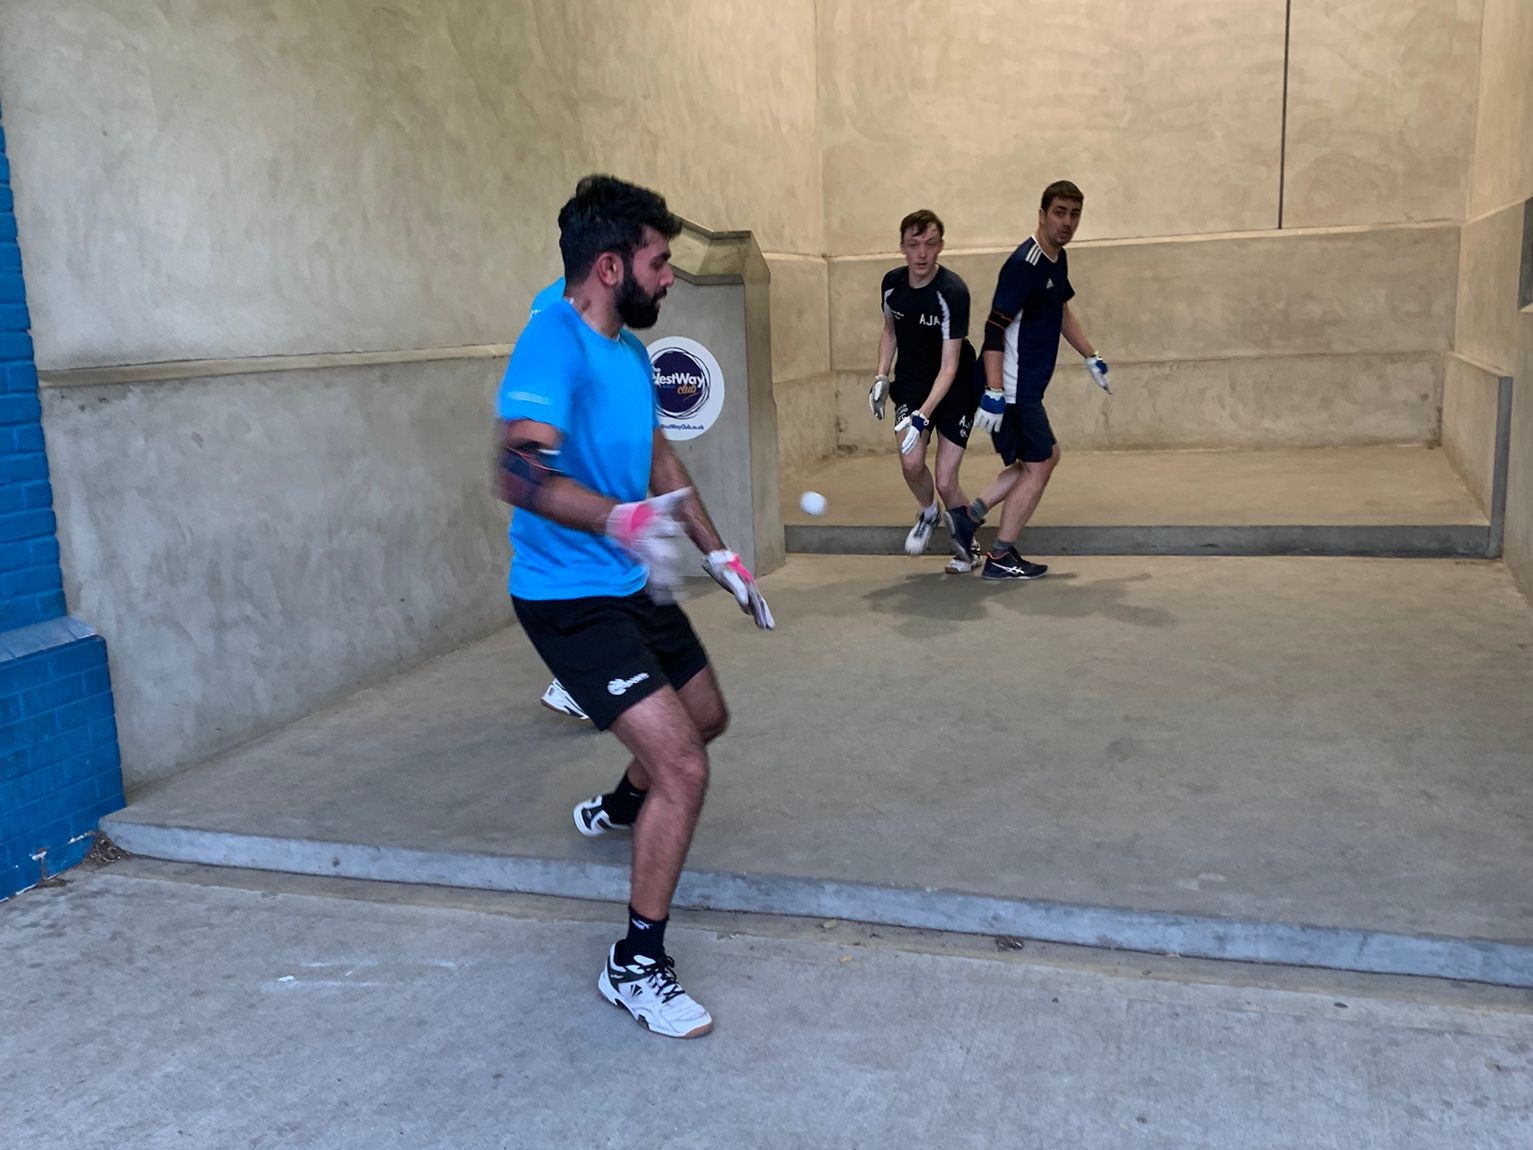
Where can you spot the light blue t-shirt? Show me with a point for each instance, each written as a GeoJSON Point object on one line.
{"type": "Point", "coordinates": [546, 298]}
{"type": "Point", "coordinates": [599, 393]}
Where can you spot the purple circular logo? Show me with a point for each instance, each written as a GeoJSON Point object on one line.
{"type": "Point", "coordinates": [681, 383]}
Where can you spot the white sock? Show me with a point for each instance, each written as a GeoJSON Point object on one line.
{"type": "Point", "coordinates": [930, 512]}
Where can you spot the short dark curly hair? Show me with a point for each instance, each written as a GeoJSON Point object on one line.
{"type": "Point", "coordinates": [607, 214]}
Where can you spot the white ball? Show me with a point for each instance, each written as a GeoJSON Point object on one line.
{"type": "Point", "coordinates": [812, 502]}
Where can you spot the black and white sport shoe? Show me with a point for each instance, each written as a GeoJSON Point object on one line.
{"type": "Point", "coordinates": [1010, 565]}
{"type": "Point", "coordinates": [920, 535]}
{"type": "Point", "coordinates": [592, 819]}
{"type": "Point", "coordinates": [961, 527]}
{"type": "Point", "coordinates": [648, 990]}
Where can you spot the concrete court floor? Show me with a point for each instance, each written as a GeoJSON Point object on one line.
{"type": "Point", "coordinates": [167, 1006]}
{"type": "Point", "coordinates": [1340, 743]}
{"type": "Point", "coordinates": [1327, 486]}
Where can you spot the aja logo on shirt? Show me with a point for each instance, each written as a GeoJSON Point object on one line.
{"type": "Point", "coordinates": [689, 386]}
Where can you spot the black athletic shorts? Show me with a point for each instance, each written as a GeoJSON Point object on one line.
{"type": "Point", "coordinates": [1025, 432]}
{"type": "Point", "coordinates": [954, 417]}
{"type": "Point", "coordinates": [611, 652]}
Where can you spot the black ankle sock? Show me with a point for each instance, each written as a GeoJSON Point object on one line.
{"type": "Point", "coordinates": [646, 937]}
{"type": "Point", "coordinates": [623, 801]}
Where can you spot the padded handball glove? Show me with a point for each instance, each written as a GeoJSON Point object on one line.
{"type": "Point", "coordinates": [1097, 366]}
{"type": "Point", "coordinates": [732, 575]}
{"type": "Point", "coordinates": [992, 409]}
{"type": "Point", "coordinates": [912, 425]}
{"type": "Point", "coordinates": [878, 395]}
{"type": "Point", "coordinates": [647, 531]}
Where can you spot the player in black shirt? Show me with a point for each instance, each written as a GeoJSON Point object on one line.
{"type": "Point", "coordinates": [1030, 312]}
{"type": "Point", "coordinates": [926, 325]}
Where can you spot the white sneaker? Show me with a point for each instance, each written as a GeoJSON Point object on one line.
{"type": "Point", "coordinates": [957, 566]}
{"type": "Point", "coordinates": [920, 535]}
{"type": "Point", "coordinates": [649, 991]}
{"type": "Point", "coordinates": [556, 698]}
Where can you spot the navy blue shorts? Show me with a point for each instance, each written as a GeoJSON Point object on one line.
{"type": "Point", "coordinates": [1025, 432]}
{"type": "Point", "coordinates": [954, 417]}
{"type": "Point", "coordinates": [611, 652]}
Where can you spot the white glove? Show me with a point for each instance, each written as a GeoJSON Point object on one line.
{"type": "Point", "coordinates": [647, 531]}
{"type": "Point", "coordinates": [912, 425]}
{"type": "Point", "coordinates": [732, 575]}
{"type": "Point", "coordinates": [992, 409]}
{"type": "Point", "coordinates": [1097, 366]}
{"type": "Point", "coordinates": [878, 395]}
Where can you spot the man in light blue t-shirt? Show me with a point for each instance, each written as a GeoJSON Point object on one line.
{"type": "Point", "coordinates": [595, 566]}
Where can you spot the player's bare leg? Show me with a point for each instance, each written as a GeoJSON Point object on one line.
{"type": "Point", "coordinates": [949, 460]}
{"type": "Point", "coordinates": [1003, 562]}
{"type": "Point", "coordinates": [639, 976]}
{"type": "Point", "coordinates": [619, 808]}
{"type": "Point", "coordinates": [950, 493]}
{"type": "Point", "coordinates": [669, 747]}
{"type": "Point", "coordinates": [704, 702]}
{"type": "Point", "coordinates": [1023, 499]}
{"type": "Point", "coordinates": [918, 478]}
{"type": "Point", "coordinates": [994, 495]}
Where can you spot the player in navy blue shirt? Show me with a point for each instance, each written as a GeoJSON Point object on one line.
{"type": "Point", "coordinates": [1028, 315]}
{"type": "Point", "coordinates": [925, 342]}
{"type": "Point", "coordinates": [595, 567]}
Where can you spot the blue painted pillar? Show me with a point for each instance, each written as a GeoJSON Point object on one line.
{"type": "Point", "coordinates": [59, 765]}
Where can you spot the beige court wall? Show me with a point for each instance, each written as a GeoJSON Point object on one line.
{"type": "Point", "coordinates": [1503, 157]}
{"type": "Point", "coordinates": [1486, 347]}
{"type": "Point", "coordinates": [364, 195]}
{"type": "Point", "coordinates": [1519, 496]}
{"type": "Point", "coordinates": [1292, 338]}
{"type": "Point", "coordinates": [1223, 330]}
{"type": "Point", "coordinates": [1381, 111]}
{"type": "Point", "coordinates": [1168, 114]}
{"type": "Point", "coordinates": [1491, 327]}
{"type": "Point", "coordinates": [202, 179]}
{"type": "Point", "coordinates": [803, 384]}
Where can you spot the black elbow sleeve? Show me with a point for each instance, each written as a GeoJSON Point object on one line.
{"type": "Point", "coordinates": [995, 331]}
{"type": "Point", "coordinates": [526, 468]}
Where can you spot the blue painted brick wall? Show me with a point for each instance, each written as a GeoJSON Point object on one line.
{"type": "Point", "coordinates": [59, 765]}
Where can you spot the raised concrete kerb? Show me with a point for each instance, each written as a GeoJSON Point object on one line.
{"type": "Point", "coordinates": [702, 256]}
{"type": "Point", "coordinates": [1425, 541]}
{"type": "Point", "coordinates": [722, 264]}
{"type": "Point", "coordinates": [1193, 936]}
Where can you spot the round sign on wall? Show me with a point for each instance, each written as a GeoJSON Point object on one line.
{"type": "Point", "coordinates": [689, 386]}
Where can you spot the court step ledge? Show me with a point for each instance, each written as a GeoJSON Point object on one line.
{"type": "Point", "coordinates": [1505, 963]}
{"type": "Point", "coordinates": [1410, 541]}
